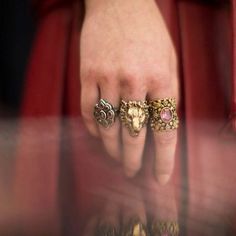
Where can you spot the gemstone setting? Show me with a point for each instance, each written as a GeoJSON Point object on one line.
{"type": "Point", "coordinates": [166, 115]}
{"type": "Point", "coordinates": [163, 114]}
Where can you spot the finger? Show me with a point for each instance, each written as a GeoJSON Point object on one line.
{"type": "Point", "coordinates": [133, 213]}
{"type": "Point", "coordinates": [133, 207]}
{"type": "Point", "coordinates": [109, 219]}
{"type": "Point", "coordinates": [87, 106]}
{"type": "Point", "coordinates": [162, 210]}
{"type": "Point", "coordinates": [165, 141]}
{"type": "Point", "coordinates": [133, 146]}
{"type": "Point", "coordinates": [111, 135]}
{"type": "Point", "coordinates": [160, 201]}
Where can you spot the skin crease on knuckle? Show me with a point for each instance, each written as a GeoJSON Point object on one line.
{"type": "Point", "coordinates": [87, 73]}
{"type": "Point", "coordinates": [165, 168]}
{"type": "Point", "coordinates": [133, 86]}
{"type": "Point", "coordinates": [166, 139]}
{"type": "Point", "coordinates": [134, 142]}
{"type": "Point", "coordinates": [161, 82]}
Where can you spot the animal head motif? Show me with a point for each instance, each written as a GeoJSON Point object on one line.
{"type": "Point", "coordinates": [134, 115]}
{"type": "Point", "coordinates": [138, 230]}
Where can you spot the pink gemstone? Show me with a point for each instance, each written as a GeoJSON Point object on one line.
{"type": "Point", "coordinates": [166, 114]}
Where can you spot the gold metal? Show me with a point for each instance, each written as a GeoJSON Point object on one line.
{"type": "Point", "coordinates": [106, 230]}
{"type": "Point", "coordinates": [134, 115]}
{"type": "Point", "coordinates": [134, 228]}
{"type": "Point", "coordinates": [168, 228]}
{"type": "Point", "coordinates": [104, 113]}
{"type": "Point", "coordinates": [163, 114]}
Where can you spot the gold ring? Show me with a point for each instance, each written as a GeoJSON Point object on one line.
{"type": "Point", "coordinates": [168, 228]}
{"type": "Point", "coordinates": [104, 113]}
{"type": "Point", "coordinates": [163, 115]}
{"type": "Point", "coordinates": [106, 230]}
{"type": "Point", "coordinates": [134, 115]}
{"type": "Point", "coordinates": [134, 228]}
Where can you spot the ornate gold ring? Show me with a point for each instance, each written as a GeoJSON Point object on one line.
{"type": "Point", "coordinates": [167, 228]}
{"type": "Point", "coordinates": [106, 230]}
{"type": "Point", "coordinates": [134, 115]}
{"type": "Point", "coordinates": [163, 115]}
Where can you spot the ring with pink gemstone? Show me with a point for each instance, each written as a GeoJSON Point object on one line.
{"type": "Point", "coordinates": [163, 114]}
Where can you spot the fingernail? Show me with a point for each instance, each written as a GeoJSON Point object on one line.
{"type": "Point", "coordinates": [163, 179]}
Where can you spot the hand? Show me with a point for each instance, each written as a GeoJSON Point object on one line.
{"type": "Point", "coordinates": [127, 53]}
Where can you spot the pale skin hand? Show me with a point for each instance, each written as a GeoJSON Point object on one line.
{"type": "Point", "coordinates": [127, 53]}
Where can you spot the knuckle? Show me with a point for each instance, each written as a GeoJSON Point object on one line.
{"type": "Point", "coordinates": [131, 143]}
{"type": "Point", "coordinates": [136, 142]}
{"type": "Point", "coordinates": [94, 71]}
{"type": "Point", "coordinates": [129, 81]}
{"type": "Point", "coordinates": [87, 72]}
{"type": "Point", "coordinates": [167, 138]}
{"type": "Point", "coordinates": [105, 79]}
{"type": "Point", "coordinates": [101, 74]}
{"type": "Point", "coordinates": [160, 81]}
{"type": "Point", "coordinates": [106, 75]}
{"type": "Point", "coordinates": [129, 76]}
{"type": "Point", "coordinates": [133, 85]}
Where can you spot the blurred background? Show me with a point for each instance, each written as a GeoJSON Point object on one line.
{"type": "Point", "coordinates": [16, 36]}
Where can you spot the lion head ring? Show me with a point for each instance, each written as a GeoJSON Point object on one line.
{"type": "Point", "coordinates": [105, 113]}
{"type": "Point", "coordinates": [134, 228]}
{"type": "Point", "coordinates": [134, 115]}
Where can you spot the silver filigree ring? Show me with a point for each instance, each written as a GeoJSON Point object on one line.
{"type": "Point", "coordinates": [105, 113]}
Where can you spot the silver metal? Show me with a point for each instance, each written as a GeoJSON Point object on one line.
{"type": "Point", "coordinates": [104, 113]}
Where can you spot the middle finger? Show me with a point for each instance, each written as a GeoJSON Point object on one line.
{"type": "Point", "coordinates": [133, 142]}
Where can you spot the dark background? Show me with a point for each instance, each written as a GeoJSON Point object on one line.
{"type": "Point", "coordinates": [16, 36]}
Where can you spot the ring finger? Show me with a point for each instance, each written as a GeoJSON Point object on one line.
{"type": "Point", "coordinates": [164, 122]}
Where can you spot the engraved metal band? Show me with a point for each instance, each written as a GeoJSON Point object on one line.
{"type": "Point", "coordinates": [104, 113]}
